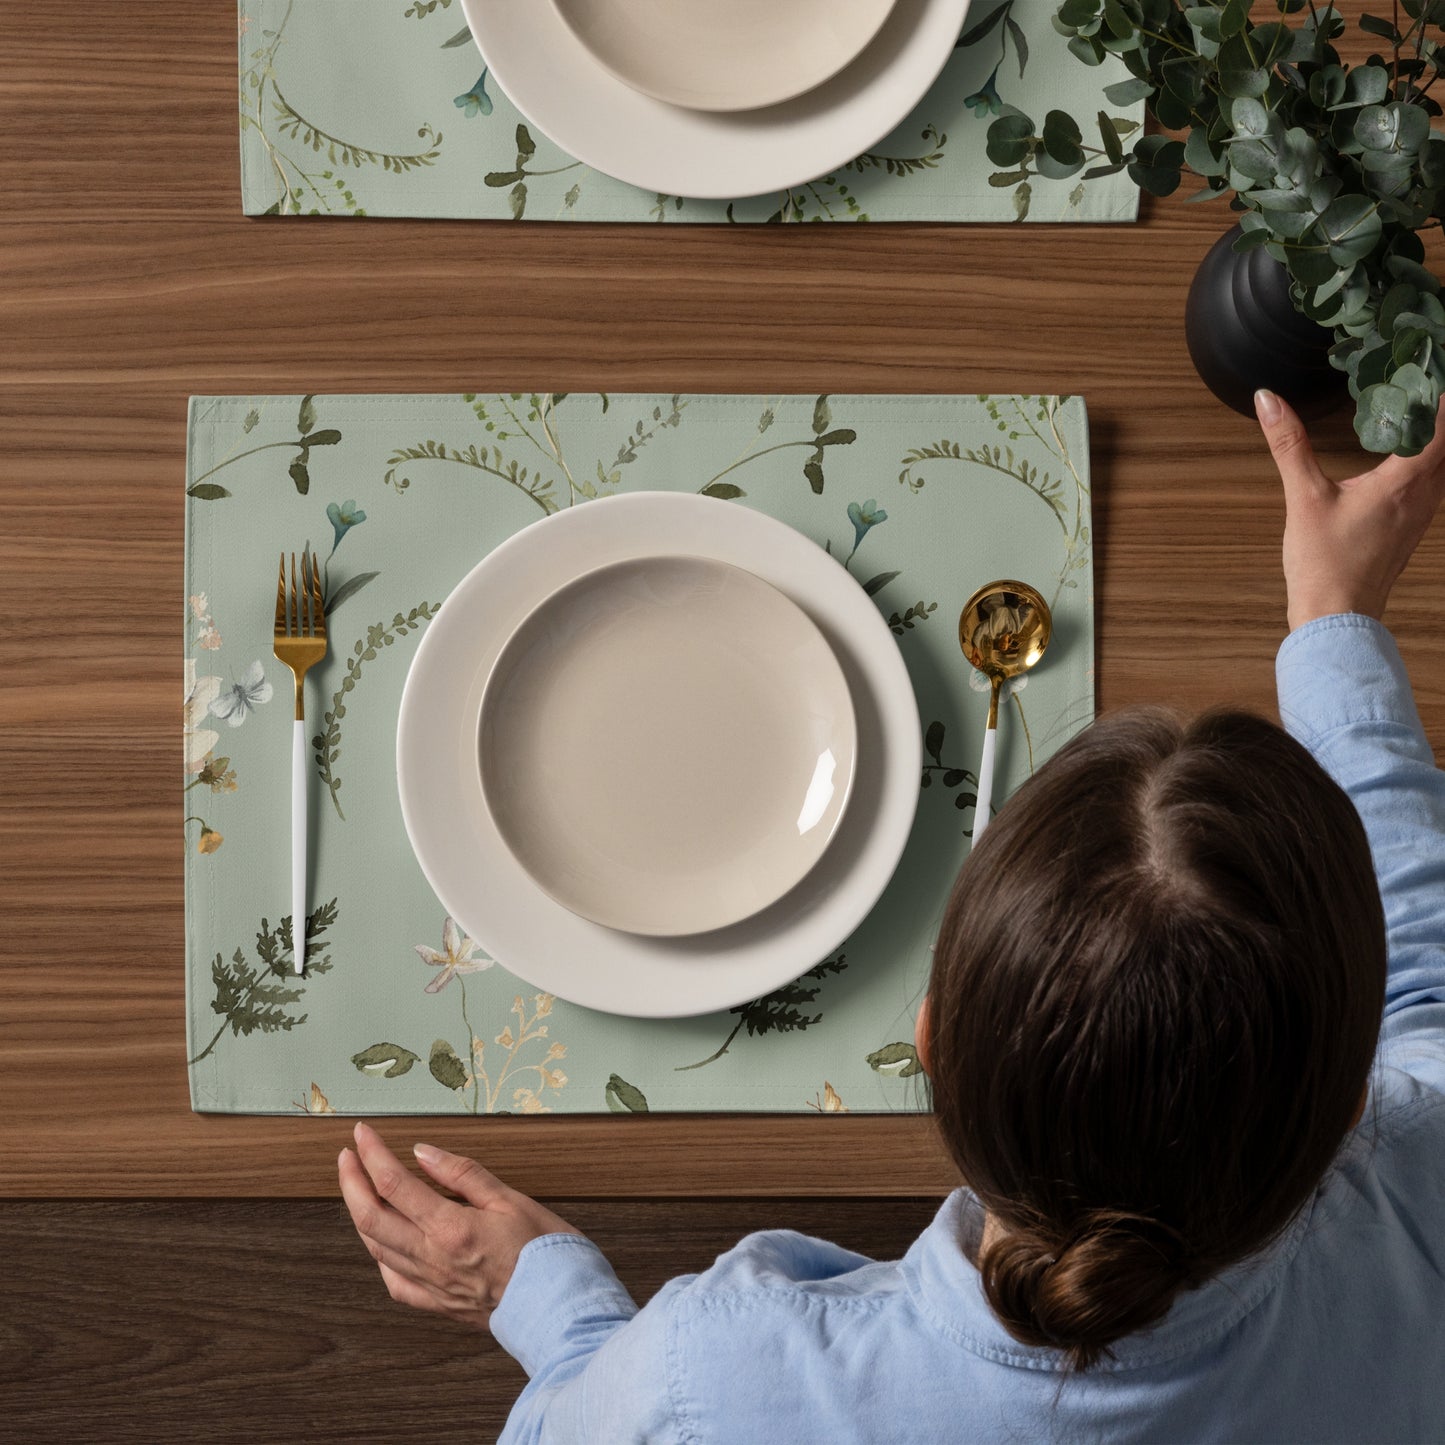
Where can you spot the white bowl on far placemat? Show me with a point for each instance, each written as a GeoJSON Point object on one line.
{"type": "Point", "coordinates": [724, 54]}
{"type": "Point", "coordinates": [561, 89]}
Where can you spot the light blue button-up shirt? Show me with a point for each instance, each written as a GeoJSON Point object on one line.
{"type": "Point", "coordinates": [1336, 1332]}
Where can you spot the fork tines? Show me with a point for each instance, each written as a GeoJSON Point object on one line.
{"type": "Point", "coordinates": [298, 611]}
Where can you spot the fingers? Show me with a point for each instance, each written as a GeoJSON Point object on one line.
{"type": "Point", "coordinates": [1289, 444]}
{"type": "Point", "coordinates": [393, 1183]}
{"type": "Point", "coordinates": [373, 1219]}
{"type": "Point", "coordinates": [461, 1175]}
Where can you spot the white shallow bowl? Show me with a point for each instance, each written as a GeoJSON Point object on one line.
{"type": "Point", "coordinates": [550, 76]}
{"type": "Point", "coordinates": [722, 753]}
{"type": "Point", "coordinates": [496, 901]}
{"type": "Point", "coordinates": [724, 54]}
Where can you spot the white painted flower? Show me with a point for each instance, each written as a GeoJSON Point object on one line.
{"type": "Point", "coordinates": [200, 693]}
{"type": "Point", "coordinates": [455, 956]}
{"type": "Point", "coordinates": [241, 697]}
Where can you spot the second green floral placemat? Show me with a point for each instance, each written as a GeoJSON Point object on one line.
{"type": "Point", "coordinates": [385, 108]}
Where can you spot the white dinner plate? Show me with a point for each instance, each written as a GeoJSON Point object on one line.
{"type": "Point", "coordinates": [492, 897]}
{"type": "Point", "coordinates": [724, 54]}
{"type": "Point", "coordinates": [728, 746]}
{"type": "Point", "coordinates": [551, 78]}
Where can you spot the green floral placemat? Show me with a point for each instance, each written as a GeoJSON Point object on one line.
{"type": "Point", "coordinates": [920, 498]}
{"type": "Point", "coordinates": [384, 108]}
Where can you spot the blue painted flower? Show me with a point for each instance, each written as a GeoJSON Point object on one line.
{"type": "Point", "coordinates": [864, 518]}
{"type": "Point", "coordinates": [343, 518]}
{"type": "Point", "coordinates": [985, 100]}
{"type": "Point", "coordinates": [476, 101]}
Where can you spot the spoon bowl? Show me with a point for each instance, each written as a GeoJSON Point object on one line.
{"type": "Point", "coordinates": [1003, 630]}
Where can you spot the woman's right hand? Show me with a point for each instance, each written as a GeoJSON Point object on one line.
{"type": "Point", "coordinates": [1346, 542]}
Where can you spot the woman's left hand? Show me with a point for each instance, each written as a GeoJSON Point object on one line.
{"type": "Point", "coordinates": [438, 1254]}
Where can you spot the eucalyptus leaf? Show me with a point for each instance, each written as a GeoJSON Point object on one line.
{"type": "Point", "coordinates": [1250, 118]}
{"type": "Point", "coordinates": [1375, 25]}
{"type": "Point", "coordinates": [1308, 266]}
{"type": "Point", "coordinates": [1233, 18]}
{"type": "Point", "coordinates": [1010, 140]}
{"type": "Point", "coordinates": [1351, 227]}
{"type": "Point", "coordinates": [1072, 13]}
{"type": "Point", "coordinates": [1126, 92]}
{"type": "Point", "coordinates": [1087, 49]}
{"type": "Point", "coordinates": [1271, 43]}
{"type": "Point", "coordinates": [1402, 268]}
{"type": "Point", "coordinates": [1199, 154]}
{"type": "Point", "coordinates": [1410, 346]}
{"type": "Point", "coordinates": [1062, 138]}
{"type": "Point", "coordinates": [1389, 419]}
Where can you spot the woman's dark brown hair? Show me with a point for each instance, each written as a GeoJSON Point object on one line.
{"type": "Point", "coordinates": [1155, 1000]}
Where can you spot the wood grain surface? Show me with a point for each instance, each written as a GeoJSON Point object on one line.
{"type": "Point", "coordinates": [242, 1323]}
{"type": "Point", "coordinates": [129, 280]}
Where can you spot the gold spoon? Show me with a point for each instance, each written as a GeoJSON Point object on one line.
{"type": "Point", "coordinates": [1003, 631]}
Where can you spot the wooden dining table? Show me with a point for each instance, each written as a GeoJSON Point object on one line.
{"type": "Point", "coordinates": [171, 1274]}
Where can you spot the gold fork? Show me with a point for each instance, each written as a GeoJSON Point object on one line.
{"type": "Point", "coordinates": [300, 644]}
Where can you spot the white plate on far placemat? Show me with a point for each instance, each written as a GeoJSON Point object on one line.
{"type": "Point", "coordinates": [496, 901]}
{"type": "Point", "coordinates": [727, 740]}
{"type": "Point", "coordinates": [724, 54]}
{"type": "Point", "coordinates": [550, 76]}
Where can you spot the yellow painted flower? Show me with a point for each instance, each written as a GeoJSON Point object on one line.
{"type": "Point", "coordinates": [527, 1102]}
{"type": "Point", "coordinates": [505, 1038]}
{"type": "Point", "coordinates": [552, 1078]}
{"type": "Point", "coordinates": [210, 840]}
{"type": "Point", "coordinates": [544, 1002]}
{"type": "Point", "coordinates": [316, 1103]}
{"type": "Point", "coordinates": [830, 1103]}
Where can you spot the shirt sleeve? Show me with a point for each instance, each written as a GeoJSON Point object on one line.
{"type": "Point", "coordinates": [1344, 693]}
{"type": "Point", "coordinates": [560, 1311]}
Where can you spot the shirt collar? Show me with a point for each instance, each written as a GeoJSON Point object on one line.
{"type": "Point", "coordinates": [946, 1285]}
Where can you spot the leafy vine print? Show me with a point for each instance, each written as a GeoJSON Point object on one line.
{"type": "Point", "coordinates": [950, 775]}
{"type": "Point", "coordinates": [327, 743]}
{"type": "Point", "coordinates": [554, 481]}
{"type": "Point", "coordinates": [276, 121]}
{"type": "Point", "coordinates": [1065, 495]}
{"type": "Point", "coordinates": [308, 435]}
{"type": "Point", "coordinates": [516, 178]}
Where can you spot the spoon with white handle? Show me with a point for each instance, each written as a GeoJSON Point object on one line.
{"type": "Point", "coordinates": [1003, 631]}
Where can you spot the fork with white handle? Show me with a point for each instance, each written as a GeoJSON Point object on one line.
{"type": "Point", "coordinates": [300, 644]}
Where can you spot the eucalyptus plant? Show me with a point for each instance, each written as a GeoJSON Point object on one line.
{"type": "Point", "coordinates": [1334, 169]}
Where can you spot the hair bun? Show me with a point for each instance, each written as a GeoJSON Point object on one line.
{"type": "Point", "coordinates": [1115, 1274]}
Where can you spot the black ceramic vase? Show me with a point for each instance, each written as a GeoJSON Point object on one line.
{"type": "Point", "coordinates": [1244, 333]}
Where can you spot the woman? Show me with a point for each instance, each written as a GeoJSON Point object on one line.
{"type": "Point", "coordinates": [1206, 1182]}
